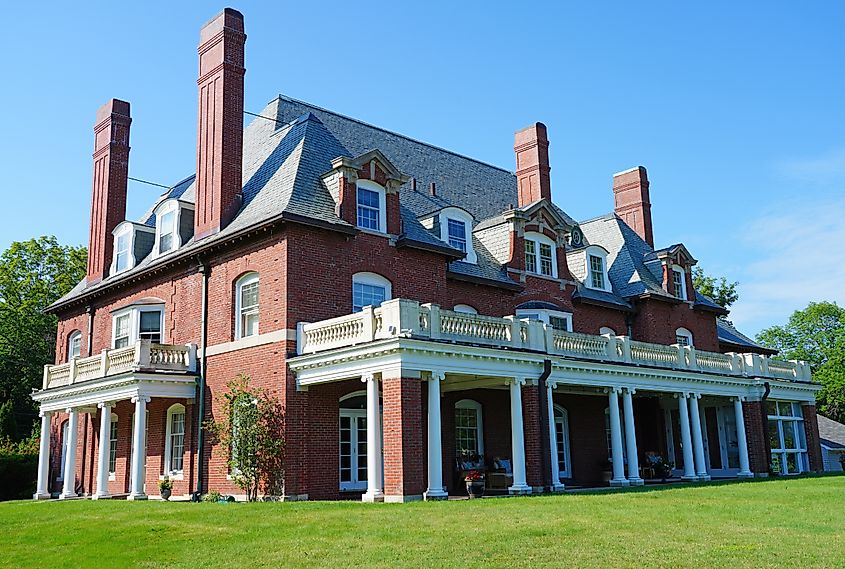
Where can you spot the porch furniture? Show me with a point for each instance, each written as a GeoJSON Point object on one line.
{"type": "Point", "coordinates": [501, 474]}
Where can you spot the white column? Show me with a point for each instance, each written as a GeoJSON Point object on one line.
{"type": "Point", "coordinates": [42, 490]}
{"type": "Point", "coordinates": [69, 487]}
{"type": "Point", "coordinates": [435, 489]}
{"type": "Point", "coordinates": [139, 449]}
{"type": "Point", "coordinates": [556, 485]}
{"type": "Point", "coordinates": [742, 442]}
{"type": "Point", "coordinates": [631, 438]}
{"type": "Point", "coordinates": [103, 455]}
{"type": "Point", "coordinates": [374, 491]}
{"type": "Point", "coordinates": [618, 461]}
{"type": "Point", "coordinates": [697, 440]}
{"type": "Point", "coordinates": [686, 438]}
{"type": "Point", "coordinates": [520, 485]}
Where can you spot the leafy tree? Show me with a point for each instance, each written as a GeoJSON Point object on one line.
{"type": "Point", "coordinates": [8, 424]}
{"type": "Point", "coordinates": [721, 291]}
{"type": "Point", "coordinates": [817, 336]}
{"type": "Point", "coordinates": [250, 432]}
{"type": "Point", "coordinates": [33, 274]}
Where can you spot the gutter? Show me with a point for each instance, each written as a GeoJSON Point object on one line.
{"type": "Point", "coordinates": [483, 281]}
{"type": "Point", "coordinates": [764, 417]}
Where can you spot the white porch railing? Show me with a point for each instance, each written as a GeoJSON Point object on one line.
{"type": "Point", "coordinates": [142, 356]}
{"type": "Point", "coordinates": [407, 318]}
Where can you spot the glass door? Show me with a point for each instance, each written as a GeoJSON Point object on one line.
{"type": "Point", "coordinates": [353, 449]}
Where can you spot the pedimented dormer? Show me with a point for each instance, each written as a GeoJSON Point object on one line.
{"type": "Point", "coordinates": [676, 266]}
{"type": "Point", "coordinates": [174, 225]}
{"type": "Point", "coordinates": [132, 243]}
{"type": "Point", "coordinates": [454, 226]}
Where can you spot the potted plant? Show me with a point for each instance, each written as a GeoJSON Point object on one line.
{"type": "Point", "coordinates": [475, 483]}
{"type": "Point", "coordinates": [663, 468]}
{"type": "Point", "coordinates": [165, 487]}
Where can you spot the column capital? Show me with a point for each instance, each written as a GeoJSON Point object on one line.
{"type": "Point", "coordinates": [631, 390]}
{"type": "Point", "coordinates": [551, 384]}
{"type": "Point", "coordinates": [105, 404]}
{"type": "Point", "coordinates": [438, 376]}
{"type": "Point", "coordinates": [70, 410]}
{"type": "Point", "coordinates": [681, 395]}
{"type": "Point", "coordinates": [739, 398]}
{"type": "Point", "coordinates": [367, 377]}
{"type": "Point", "coordinates": [613, 389]}
{"type": "Point", "coordinates": [516, 381]}
{"type": "Point", "coordinates": [144, 398]}
{"type": "Point", "coordinates": [43, 414]}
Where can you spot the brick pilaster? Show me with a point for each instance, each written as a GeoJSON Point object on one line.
{"type": "Point", "coordinates": [532, 427]}
{"type": "Point", "coordinates": [404, 452]}
{"type": "Point", "coordinates": [811, 428]}
{"type": "Point", "coordinates": [758, 444]}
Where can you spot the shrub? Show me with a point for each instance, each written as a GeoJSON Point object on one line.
{"type": "Point", "coordinates": [18, 467]}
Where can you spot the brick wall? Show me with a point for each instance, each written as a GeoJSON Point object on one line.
{"type": "Point", "coordinates": [404, 453]}
{"type": "Point", "coordinates": [532, 424]}
{"type": "Point", "coordinates": [759, 454]}
{"type": "Point", "coordinates": [811, 428]}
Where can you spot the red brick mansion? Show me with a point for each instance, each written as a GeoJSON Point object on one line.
{"type": "Point", "coordinates": [417, 313]}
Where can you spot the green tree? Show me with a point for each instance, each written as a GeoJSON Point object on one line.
{"type": "Point", "coordinates": [721, 291]}
{"type": "Point", "coordinates": [250, 432]}
{"type": "Point", "coordinates": [33, 274]}
{"type": "Point", "coordinates": [817, 336]}
{"type": "Point", "coordinates": [8, 424]}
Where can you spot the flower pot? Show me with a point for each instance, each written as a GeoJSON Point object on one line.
{"type": "Point", "coordinates": [165, 493]}
{"type": "Point", "coordinates": [475, 488]}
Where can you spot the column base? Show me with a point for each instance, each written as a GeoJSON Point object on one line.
{"type": "Point", "coordinates": [619, 482]}
{"type": "Point", "coordinates": [372, 497]}
{"type": "Point", "coordinates": [745, 475]}
{"type": "Point", "coordinates": [137, 497]}
{"type": "Point", "coordinates": [64, 496]}
{"type": "Point", "coordinates": [38, 496]}
{"type": "Point", "coordinates": [101, 496]}
{"type": "Point", "coordinates": [432, 495]}
{"type": "Point", "coordinates": [689, 478]}
{"type": "Point", "coordinates": [703, 477]}
{"type": "Point", "coordinates": [635, 481]}
{"type": "Point", "coordinates": [402, 499]}
{"type": "Point", "coordinates": [519, 489]}
{"type": "Point", "coordinates": [557, 487]}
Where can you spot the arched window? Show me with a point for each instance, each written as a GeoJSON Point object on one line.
{"type": "Point", "coordinates": [372, 210]}
{"type": "Point", "coordinates": [246, 306]}
{"type": "Point", "coordinates": [465, 309]}
{"type": "Point", "coordinates": [540, 255]}
{"type": "Point", "coordinates": [113, 447]}
{"type": "Point", "coordinates": [456, 230]}
{"type": "Point", "coordinates": [174, 440]}
{"type": "Point", "coordinates": [683, 337]}
{"type": "Point", "coordinates": [596, 268]}
{"type": "Point", "coordinates": [353, 441]}
{"type": "Point", "coordinates": [74, 345]}
{"type": "Point", "coordinates": [562, 436]}
{"type": "Point", "coordinates": [605, 330]}
{"type": "Point", "coordinates": [469, 429]}
{"type": "Point", "coordinates": [369, 289]}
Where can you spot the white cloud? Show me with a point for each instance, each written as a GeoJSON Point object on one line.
{"type": "Point", "coordinates": [798, 252]}
{"type": "Point", "coordinates": [823, 169]}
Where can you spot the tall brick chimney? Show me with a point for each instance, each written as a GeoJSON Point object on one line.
{"type": "Point", "coordinates": [220, 125]}
{"type": "Point", "coordinates": [531, 146]}
{"type": "Point", "coordinates": [630, 192]}
{"type": "Point", "coordinates": [108, 196]}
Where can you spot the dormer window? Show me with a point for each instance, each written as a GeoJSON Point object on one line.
{"type": "Point", "coordinates": [683, 337]}
{"type": "Point", "coordinates": [122, 253]}
{"type": "Point", "coordinates": [455, 229]}
{"type": "Point", "coordinates": [680, 282]}
{"type": "Point", "coordinates": [596, 275]}
{"type": "Point", "coordinates": [596, 272]}
{"type": "Point", "coordinates": [170, 216]}
{"type": "Point", "coordinates": [167, 232]}
{"type": "Point", "coordinates": [371, 206]}
{"type": "Point", "coordinates": [457, 234]}
{"type": "Point", "coordinates": [540, 257]}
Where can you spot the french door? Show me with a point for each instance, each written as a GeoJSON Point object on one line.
{"type": "Point", "coordinates": [353, 449]}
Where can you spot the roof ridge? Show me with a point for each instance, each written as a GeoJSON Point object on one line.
{"type": "Point", "coordinates": [440, 148]}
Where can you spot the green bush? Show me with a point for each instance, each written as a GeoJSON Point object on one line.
{"type": "Point", "coordinates": [18, 467]}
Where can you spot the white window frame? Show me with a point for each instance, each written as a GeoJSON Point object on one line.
{"type": "Point", "coordinates": [134, 315]}
{"type": "Point", "coordinates": [354, 415]}
{"type": "Point", "coordinates": [545, 316]}
{"type": "Point", "coordinates": [680, 294]}
{"type": "Point", "coordinates": [164, 208]}
{"type": "Point", "coordinates": [595, 251]}
{"type": "Point", "coordinates": [563, 419]}
{"type": "Point", "coordinates": [123, 229]}
{"type": "Point", "coordinates": [244, 280]}
{"type": "Point", "coordinates": [795, 420]}
{"type": "Point", "coordinates": [683, 333]}
{"type": "Point", "coordinates": [374, 280]}
{"type": "Point", "coordinates": [382, 204]}
{"type": "Point", "coordinates": [540, 239]}
{"type": "Point", "coordinates": [479, 422]}
{"type": "Point", "coordinates": [113, 434]}
{"type": "Point", "coordinates": [175, 409]}
{"type": "Point", "coordinates": [458, 215]}
{"type": "Point", "coordinates": [65, 435]}
{"type": "Point", "coordinates": [74, 337]}
{"type": "Point", "coordinates": [464, 309]}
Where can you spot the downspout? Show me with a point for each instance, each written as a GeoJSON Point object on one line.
{"type": "Point", "coordinates": [90, 310]}
{"type": "Point", "coordinates": [204, 269]}
{"type": "Point", "coordinates": [80, 487]}
{"type": "Point", "coordinates": [764, 415]}
{"type": "Point", "coordinates": [544, 420]}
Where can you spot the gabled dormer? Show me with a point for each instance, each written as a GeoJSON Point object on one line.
{"type": "Point", "coordinates": [174, 225]}
{"type": "Point", "coordinates": [132, 243]}
{"type": "Point", "coordinates": [676, 264]}
{"type": "Point", "coordinates": [540, 234]}
{"type": "Point", "coordinates": [366, 192]}
{"type": "Point", "coordinates": [454, 226]}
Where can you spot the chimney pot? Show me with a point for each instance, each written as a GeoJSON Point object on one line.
{"type": "Point", "coordinates": [533, 178]}
{"type": "Point", "coordinates": [632, 202]}
{"type": "Point", "coordinates": [432, 189]}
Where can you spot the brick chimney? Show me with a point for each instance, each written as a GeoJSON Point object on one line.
{"type": "Point", "coordinates": [632, 204]}
{"type": "Point", "coordinates": [108, 196]}
{"type": "Point", "coordinates": [531, 146]}
{"type": "Point", "coordinates": [220, 125]}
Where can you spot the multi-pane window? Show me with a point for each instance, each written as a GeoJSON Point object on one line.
{"type": "Point", "coordinates": [167, 229]}
{"type": "Point", "coordinates": [364, 294]}
{"type": "Point", "coordinates": [787, 437]}
{"type": "Point", "coordinates": [680, 286]}
{"type": "Point", "coordinates": [74, 346]}
{"type": "Point", "coordinates": [468, 435]}
{"type": "Point", "coordinates": [121, 330]}
{"type": "Point", "coordinates": [175, 439]}
{"type": "Point", "coordinates": [113, 445]}
{"type": "Point", "coordinates": [247, 306]}
{"type": "Point", "coordinates": [457, 234]}
{"type": "Point", "coordinates": [559, 323]}
{"type": "Point", "coordinates": [546, 267]}
{"type": "Point", "coordinates": [530, 256]}
{"type": "Point", "coordinates": [149, 326]}
{"type": "Point", "coordinates": [369, 209]}
{"type": "Point", "coordinates": [121, 254]}
{"type": "Point", "coordinates": [562, 436]}
{"type": "Point", "coordinates": [596, 272]}
{"type": "Point", "coordinates": [683, 337]}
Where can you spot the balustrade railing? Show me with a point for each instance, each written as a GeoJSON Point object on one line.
{"type": "Point", "coordinates": [407, 318]}
{"type": "Point", "coordinates": [141, 356]}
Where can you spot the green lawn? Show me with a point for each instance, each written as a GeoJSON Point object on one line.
{"type": "Point", "coordinates": [782, 522]}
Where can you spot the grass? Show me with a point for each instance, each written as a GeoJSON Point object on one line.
{"type": "Point", "coordinates": [794, 522]}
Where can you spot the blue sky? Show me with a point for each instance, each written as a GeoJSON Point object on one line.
{"type": "Point", "coordinates": [736, 110]}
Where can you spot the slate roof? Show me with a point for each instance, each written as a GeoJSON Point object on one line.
{"type": "Point", "coordinates": [728, 334]}
{"type": "Point", "coordinates": [831, 433]}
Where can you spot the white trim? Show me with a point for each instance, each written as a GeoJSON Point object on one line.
{"type": "Point", "coordinates": [564, 420]}
{"type": "Point", "coordinates": [371, 279]}
{"type": "Point", "coordinates": [355, 458]}
{"type": "Point", "coordinates": [540, 239]}
{"type": "Point", "coordinates": [545, 315]}
{"type": "Point", "coordinates": [479, 421]}
{"type": "Point", "coordinates": [604, 330]}
{"type": "Point", "coordinates": [75, 336]}
{"type": "Point", "coordinates": [683, 333]}
{"type": "Point", "coordinates": [113, 422]}
{"type": "Point", "coordinates": [165, 207]}
{"type": "Point", "coordinates": [679, 269]}
{"type": "Point", "coordinates": [133, 312]}
{"type": "Point", "coordinates": [601, 253]}
{"type": "Point", "coordinates": [464, 309]}
{"type": "Point", "coordinates": [174, 409]}
{"type": "Point", "coordinates": [250, 342]}
{"type": "Point", "coordinates": [244, 280]}
{"type": "Point", "coordinates": [382, 204]}
{"type": "Point", "coordinates": [463, 216]}
{"type": "Point", "coordinates": [63, 428]}
{"type": "Point", "coordinates": [123, 229]}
